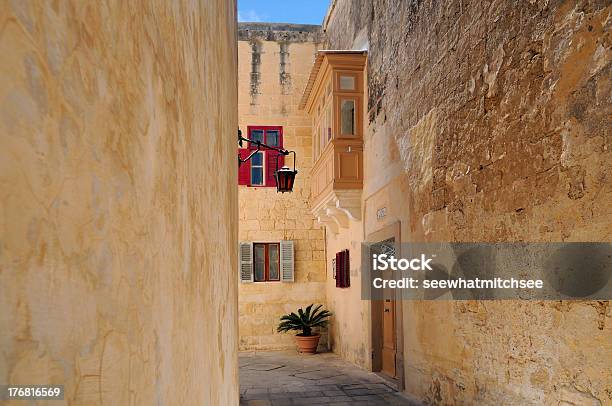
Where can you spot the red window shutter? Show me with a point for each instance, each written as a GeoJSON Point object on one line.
{"type": "Point", "coordinates": [271, 157]}
{"type": "Point", "coordinates": [347, 270]}
{"type": "Point", "coordinates": [343, 269]}
{"type": "Point", "coordinates": [338, 269]}
{"type": "Point", "coordinates": [281, 161]}
{"type": "Point", "coordinates": [244, 172]}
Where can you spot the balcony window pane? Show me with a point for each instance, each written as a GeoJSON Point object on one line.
{"type": "Point", "coordinates": [347, 83]}
{"type": "Point", "coordinates": [347, 120]}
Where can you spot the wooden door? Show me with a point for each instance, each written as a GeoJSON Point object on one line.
{"type": "Point", "coordinates": [388, 339]}
{"type": "Point", "coordinates": [385, 332]}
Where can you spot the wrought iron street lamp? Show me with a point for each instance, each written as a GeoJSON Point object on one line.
{"type": "Point", "coordinates": [284, 177]}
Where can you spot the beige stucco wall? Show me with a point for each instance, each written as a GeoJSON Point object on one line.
{"type": "Point", "coordinates": [118, 205]}
{"type": "Point", "coordinates": [489, 123]}
{"type": "Point", "coordinates": [266, 215]}
{"type": "Point", "coordinates": [351, 316]}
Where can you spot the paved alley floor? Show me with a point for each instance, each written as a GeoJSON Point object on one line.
{"type": "Point", "coordinates": [278, 378]}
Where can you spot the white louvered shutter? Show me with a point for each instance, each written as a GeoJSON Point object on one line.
{"type": "Point", "coordinates": [245, 262]}
{"type": "Point", "coordinates": [286, 261]}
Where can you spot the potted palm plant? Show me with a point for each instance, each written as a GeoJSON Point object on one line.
{"type": "Point", "coordinates": [304, 321]}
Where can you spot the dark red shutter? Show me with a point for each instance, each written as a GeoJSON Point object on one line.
{"type": "Point", "coordinates": [271, 157]}
{"type": "Point", "coordinates": [338, 269]}
{"type": "Point", "coordinates": [244, 172]}
{"type": "Point", "coordinates": [347, 270]}
{"type": "Point", "coordinates": [343, 269]}
{"type": "Point", "coordinates": [281, 161]}
{"type": "Point", "coordinates": [281, 157]}
{"type": "Point", "coordinates": [270, 167]}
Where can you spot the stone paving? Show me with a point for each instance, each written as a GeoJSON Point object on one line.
{"type": "Point", "coordinates": [278, 378]}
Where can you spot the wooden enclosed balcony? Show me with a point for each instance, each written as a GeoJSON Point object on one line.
{"type": "Point", "coordinates": [334, 99]}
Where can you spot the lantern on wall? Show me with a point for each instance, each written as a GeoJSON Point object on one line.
{"type": "Point", "coordinates": [284, 176]}
{"type": "Point", "coordinates": [284, 179]}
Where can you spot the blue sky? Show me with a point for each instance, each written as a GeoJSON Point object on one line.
{"type": "Point", "coordinates": [278, 11]}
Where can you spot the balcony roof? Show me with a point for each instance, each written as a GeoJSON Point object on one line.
{"type": "Point", "coordinates": [314, 72]}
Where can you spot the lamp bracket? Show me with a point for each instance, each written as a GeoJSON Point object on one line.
{"type": "Point", "coordinates": [261, 145]}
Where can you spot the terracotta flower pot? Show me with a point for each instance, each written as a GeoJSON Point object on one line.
{"type": "Point", "coordinates": [307, 345]}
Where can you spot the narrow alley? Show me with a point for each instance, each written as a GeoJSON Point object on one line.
{"type": "Point", "coordinates": [334, 202]}
{"type": "Point", "coordinates": [279, 378]}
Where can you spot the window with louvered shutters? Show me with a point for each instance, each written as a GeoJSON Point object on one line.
{"type": "Point", "coordinates": [245, 262]}
{"type": "Point", "coordinates": [259, 170]}
{"type": "Point", "coordinates": [343, 269]}
{"type": "Point", "coordinates": [287, 261]}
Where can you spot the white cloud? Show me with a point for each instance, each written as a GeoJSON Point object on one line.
{"type": "Point", "coordinates": [249, 16]}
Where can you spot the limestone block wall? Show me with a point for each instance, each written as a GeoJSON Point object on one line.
{"type": "Point", "coordinates": [274, 61]}
{"type": "Point", "coordinates": [489, 121]}
{"type": "Point", "coordinates": [118, 205]}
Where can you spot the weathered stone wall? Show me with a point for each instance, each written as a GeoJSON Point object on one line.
{"type": "Point", "coordinates": [118, 214]}
{"type": "Point", "coordinates": [274, 61]}
{"type": "Point", "coordinates": [489, 121]}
